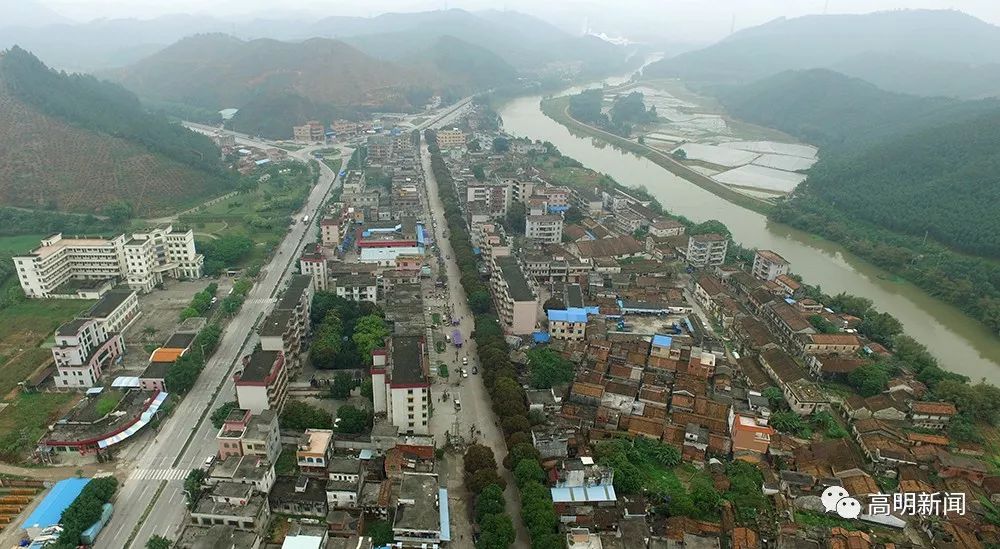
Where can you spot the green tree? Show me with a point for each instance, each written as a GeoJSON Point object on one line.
{"type": "Point", "coordinates": [353, 420]}
{"type": "Point", "coordinates": [704, 496]}
{"type": "Point", "coordinates": [480, 301]}
{"type": "Point", "coordinates": [159, 542]}
{"type": "Point", "coordinates": [380, 531]}
{"type": "Point", "coordinates": [343, 384]}
{"type": "Point", "coordinates": [516, 216]}
{"type": "Point", "coordinates": [497, 532]}
{"type": "Point", "coordinates": [501, 145]}
{"type": "Point", "coordinates": [119, 212]}
{"type": "Point", "coordinates": [869, 379]}
{"type": "Point", "coordinates": [822, 325]}
{"type": "Point", "coordinates": [299, 416]}
{"type": "Point", "coordinates": [222, 412]}
{"type": "Point", "coordinates": [478, 457]}
{"type": "Point", "coordinates": [194, 487]}
{"type": "Point", "coordinates": [775, 398]}
{"type": "Point", "coordinates": [479, 480]}
{"type": "Point", "coordinates": [189, 312]}
{"type": "Point", "coordinates": [548, 368]}
{"type": "Point", "coordinates": [489, 502]}
{"type": "Point", "coordinates": [478, 172]}
{"type": "Point", "coordinates": [369, 334]}
{"type": "Point", "coordinates": [528, 470]}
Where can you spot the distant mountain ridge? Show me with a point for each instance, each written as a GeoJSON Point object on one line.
{"type": "Point", "coordinates": [921, 52]}
{"type": "Point", "coordinates": [525, 42]}
{"type": "Point", "coordinates": [278, 84]}
{"type": "Point", "coordinates": [74, 143]}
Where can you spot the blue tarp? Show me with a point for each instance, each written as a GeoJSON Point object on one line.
{"type": "Point", "coordinates": [540, 337]}
{"type": "Point", "coordinates": [444, 514]}
{"type": "Point", "coordinates": [558, 209]}
{"type": "Point", "coordinates": [661, 340]}
{"type": "Point", "coordinates": [51, 508]}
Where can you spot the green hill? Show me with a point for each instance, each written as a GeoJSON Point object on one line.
{"type": "Point", "coordinates": [74, 143]}
{"type": "Point", "coordinates": [922, 52]}
{"type": "Point", "coordinates": [829, 109]}
{"type": "Point", "coordinates": [276, 85]}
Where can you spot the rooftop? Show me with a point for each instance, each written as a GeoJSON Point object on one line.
{"type": "Point", "coordinates": [771, 256]}
{"type": "Point", "coordinates": [156, 370]}
{"type": "Point", "coordinates": [180, 341]}
{"type": "Point", "coordinates": [259, 367]}
{"type": "Point", "coordinates": [609, 247]}
{"type": "Point", "coordinates": [109, 302]}
{"type": "Point", "coordinates": [315, 441]}
{"type": "Point", "coordinates": [293, 294]}
{"type": "Point", "coordinates": [416, 507]}
{"type": "Point", "coordinates": [276, 323]}
{"type": "Point", "coordinates": [517, 284]}
{"type": "Point", "coordinates": [407, 360]}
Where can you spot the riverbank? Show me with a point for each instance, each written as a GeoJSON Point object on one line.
{"type": "Point", "coordinates": [959, 343]}
{"type": "Point", "coordinates": [557, 108]}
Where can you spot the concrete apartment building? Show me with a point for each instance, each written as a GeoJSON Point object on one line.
{"type": "Point", "coordinates": [313, 263]}
{"type": "Point", "coordinates": [247, 434]}
{"type": "Point", "coordinates": [88, 344]}
{"type": "Point", "coordinates": [450, 139]}
{"type": "Point", "coordinates": [142, 261]}
{"type": "Point", "coordinates": [544, 228]}
{"type": "Point", "coordinates": [288, 324]}
{"type": "Point", "coordinates": [768, 265]}
{"type": "Point", "coordinates": [496, 196]}
{"type": "Point", "coordinates": [400, 383]}
{"type": "Point", "coordinates": [314, 450]}
{"type": "Point", "coordinates": [705, 250]}
{"type": "Point", "coordinates": [421, 508]}
{"type": "Point", "coordinates": [262, 384]}
{"type": "Point", "coordinates": [360, 287]}
{"type": "Point", "coordinates": [515, 299]}
{"type": "Point", "coordinates": [310, 132]}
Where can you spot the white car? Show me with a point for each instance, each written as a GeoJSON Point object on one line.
{"type": "Point", "coordinates": [465, 360]}
{"type": "Point", "coordinates": [209, 461]}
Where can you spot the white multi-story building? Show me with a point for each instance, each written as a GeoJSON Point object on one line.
{"type": "Point", "coordinates": [768, 265]}
{"type": "Point", "coordinates": [360, 287]}
{"type": "Point", "coordinates": [91, 342]}
{"type": "Point", "coordinates": [545, 228]}
{"type": "Point", "coordinates": [400, 384]}
{"type": "Point", "coordinates": [141, 261]}
{"type": "Point", "coordinates": [706, 250]}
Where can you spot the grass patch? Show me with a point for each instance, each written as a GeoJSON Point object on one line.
{"type": "Point", "coordinates": [106, 404]}
{"type": "Point", "coordinates": [14, 245]}
{"type": "Point", "coordinates": [436, 318]}
{"type": "Point", "coordinates": [24, 327]}
{"type": "Point", "coordinates": [25, 420]}
{"type": "Point", "coordinates": [333, 164]}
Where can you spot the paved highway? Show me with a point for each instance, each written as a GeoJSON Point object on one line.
{"type": "Point", "coordinates": [165, 458]}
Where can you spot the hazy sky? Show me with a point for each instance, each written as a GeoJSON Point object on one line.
{"type": "Point", "coordinates": [688, 20]}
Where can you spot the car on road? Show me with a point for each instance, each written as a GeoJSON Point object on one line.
{"type": "Point", "coordinates": [209, 461]}
{"type": "Point", "coordinates": [475, 370]}
{"type": "Point", "coordinates": [465, 360]}
{"type": "Point", "coordinates": [458, 405]}
{"type": "Point", "coordinates": [465, 373]}
{"type": "Point", "coordinates": [214, 300]}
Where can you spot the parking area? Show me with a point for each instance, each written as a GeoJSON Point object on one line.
{"type": "Point", "coordinates": [160, 315]}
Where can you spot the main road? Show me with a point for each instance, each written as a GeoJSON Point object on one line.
{"type": "Point", "coordinates": [476, 409]}
{"type": "Point", "coordinates": [187, 437]}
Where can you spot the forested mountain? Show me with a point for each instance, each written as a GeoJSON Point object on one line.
{"type": "Point", "coordinates": [72, 142]}
{"type": "Point", "coordinates": [829, 109]}
{"type": "Point", "coordinates": [922, 52]}
{"type": "Point", "coordinates": [219, 71]}
{"type": "Point", "coordinates": [911, 184]}
{"type": "Point", "coordinates": [278, 84]}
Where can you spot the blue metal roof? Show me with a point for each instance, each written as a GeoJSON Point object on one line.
{"type": "Point", "coordinates": [569, 315]}
{"type": "Point", "coordinates": [540, 337]}
{"type": "Point", "coordinates": [584, 494]}
{"type": "Point", "coordinates": [59, 498]}
{"type": "Point", "coordinates": [661, 340]}
{"type": "Point", "coordinates": [444, 514]}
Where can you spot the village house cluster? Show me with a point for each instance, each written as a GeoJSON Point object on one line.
{"type": "Point", "coordinates": [672, 341]}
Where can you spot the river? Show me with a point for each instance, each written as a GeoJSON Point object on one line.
{"type": "Point", "coordinates": [960, 343]}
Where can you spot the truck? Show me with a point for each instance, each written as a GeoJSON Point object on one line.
{"type": "Point", "coordinates": [90, 534]}
{"type": "Point", "coordinates": [305, 219]}
{"type": "Point", "coordinates": [456, 338]}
